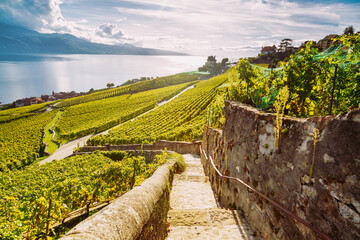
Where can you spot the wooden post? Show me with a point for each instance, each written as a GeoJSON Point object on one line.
{"type": "Point", "coordinates": [333, 90]}
{"type": "Point", "coordinates": [134, 174]}
{"type": "Point", "coordinates": [88, 209]}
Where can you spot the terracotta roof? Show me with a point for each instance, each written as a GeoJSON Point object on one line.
{"type": "Point", "coordinates": [268, 48]}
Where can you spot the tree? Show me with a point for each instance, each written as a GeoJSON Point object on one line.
{"type": "Point", "coordinates": [109, 85]}
{"type": "Point", "coordinates": [302, 73]}
{"type": "Point", "coordinates": [224, 61]}
{"type": "Point", "coordinates": [211, 59]}
{"type": "Point", "coordinates": [349, 30]}
{"type": "Point", "coordinates": [285, 44]}
{"type": "Point", "coordinates": [246, 73]}
{"type": "Point", "coordinates": [210, 66]}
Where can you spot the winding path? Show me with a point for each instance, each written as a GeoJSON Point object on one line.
{"type": "Point", "coordinates": [66, 149]}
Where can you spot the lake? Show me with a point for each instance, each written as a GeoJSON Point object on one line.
{"type": "Point", "coordinates": [35, 75]}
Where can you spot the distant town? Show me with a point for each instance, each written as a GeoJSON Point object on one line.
{"type": "Point", "coordinates": [44, 98]}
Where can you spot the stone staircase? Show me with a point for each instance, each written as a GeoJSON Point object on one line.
{"type": "Point", "coordinates": [194, 212]}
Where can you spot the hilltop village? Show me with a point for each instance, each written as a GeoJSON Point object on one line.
{"type": "Point", "coordinates": [271, 55]}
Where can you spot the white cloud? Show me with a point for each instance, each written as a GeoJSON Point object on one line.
{"type": "Point", "coordinates": [38, 14]}
{"type": "Point", "coordinates": [108, 30]}
{"type": "Point", "coordinates": [200, 26]}
{"type": "Point", "coordinates": [46, 16]}
{"type": "Point", "coordinates": [82, 21]}
{"type": "Point", "coordinates": [121, 20]}
{"type": "Point", "coordinates": [210, 24]}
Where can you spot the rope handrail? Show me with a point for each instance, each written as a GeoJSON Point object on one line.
{"type": "Point", "coordinates": [297, 218]}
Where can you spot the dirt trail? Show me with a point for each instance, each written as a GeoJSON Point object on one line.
{"type": "Point", "coordinates": [194, 212]}
{"type": "Point", "coordinates": [66, 149]}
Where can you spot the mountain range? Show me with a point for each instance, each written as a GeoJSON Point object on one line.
{"type": "Point", "coordinates": [19, 40]}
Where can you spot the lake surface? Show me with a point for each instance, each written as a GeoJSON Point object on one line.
{"type": "Point", "coordinates": [35, 75]}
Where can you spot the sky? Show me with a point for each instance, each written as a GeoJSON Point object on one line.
{"type": "Point", "coordinates": [225, 28]}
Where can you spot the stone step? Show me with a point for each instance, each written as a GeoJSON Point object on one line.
{"type": "Point", "coordinates": [227, 232]}
{"type": "Point", "coordinates": [208, 224]}
{"type": "Point", "coordinates": [191, 178]}
{"type": "Point", "coordinates": [194, 164]}
{"type": "Point", "coordinates": [194, 212]}
{"type": "Point", "coordinates": [204, 217]}
{"type": "Point", "coordinates": [194, 170]}
{"type": "Point", "coordinates": [192, 194]}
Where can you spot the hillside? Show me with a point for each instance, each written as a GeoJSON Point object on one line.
{"type": "Point", "coordinates": [21, 129]}
{"type": "Point", "coordinates": [20, 40]}
{"type": "Point", "coordinates": [309, 84]}
{"type": "Point", "coordinates": [21, 135]}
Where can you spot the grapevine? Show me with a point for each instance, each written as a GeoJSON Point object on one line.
{"type": "Point", "coordinates": [71, 183]}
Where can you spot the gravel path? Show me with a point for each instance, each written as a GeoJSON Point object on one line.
{"type": "Point", "coordinates": [194, 212]}
{"type": "Point", "coordinates": [66, 149]}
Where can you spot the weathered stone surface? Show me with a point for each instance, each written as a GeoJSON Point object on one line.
{"type": "Point", "coordinates": [306, 179]}
{"type": "Point", "coordinates": [348, 213]}
{"type": "Point", "coordinates": [309, 192]}
{"type": "Point", "coordinates": [328, 158]}
{"type": "Point", "coordinates": [245, 149]}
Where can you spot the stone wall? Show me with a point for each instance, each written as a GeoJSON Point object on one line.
{"type": "Point", "coordinates": [138, 214]}
{"type": "Point", "coordinates": [328, 196]}
{"type": "Point", "coordinates": [179, 147]}
{"type": "Point", "coordinates": [149, 155]}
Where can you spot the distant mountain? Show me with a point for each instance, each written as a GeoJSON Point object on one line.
{"type": "Point", "coordinates": [20, 40]}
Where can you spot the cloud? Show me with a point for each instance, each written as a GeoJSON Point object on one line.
{"type": "Point", "coordinates": [83, 21]}
{"type": "Point", "coordinates": [121, 19]}
{"type": "Point", "coordinates": [46, 16]}
{"type": "Point", "coordinates": [196, 27]}
{"type": "Point", "coordinates": [108, 30]}
{"type": "Point", "coordinates": [204, 25]}
{"type": "Point", "coordinates": [34, 14]}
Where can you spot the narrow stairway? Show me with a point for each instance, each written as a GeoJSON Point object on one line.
{"type": "Point", "coordinates": [194, 212]}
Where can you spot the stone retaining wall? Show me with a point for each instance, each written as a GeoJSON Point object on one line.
{"type": "Point", "coordinates": [328, 196]}
{"type": "Point", "coordinates": [149, 155]}
{"type": "Point", "coordinates": [138, 214]}
{"type": "Point", "coordinates": [179, 147]}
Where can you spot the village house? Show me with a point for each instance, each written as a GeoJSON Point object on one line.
{"type": "Point", "coordinates": [65, 95]}
{"type": "Point", "coordinates": [47, 98]}
{"type": "Point", "coordinates": [28, 101]}
{"type": "Point", "coordinates": [36, 100]}
{"type": "Point", "coordinates": [268, 50]}
{"type": "Point", "coordinates": [327, 41]}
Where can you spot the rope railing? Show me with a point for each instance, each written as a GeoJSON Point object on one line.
{"type": "Point", "coordinates": [297, 218]}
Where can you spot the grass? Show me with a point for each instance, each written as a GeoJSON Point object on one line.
{"type": "Point", "coordinates": [180, 165]}
{"type": "Point", "coordinates": [52, 146]}
{"type": "Point", "coordinates": [264, 65]}
{"type": "Point", "coordinates": [38, 160]}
